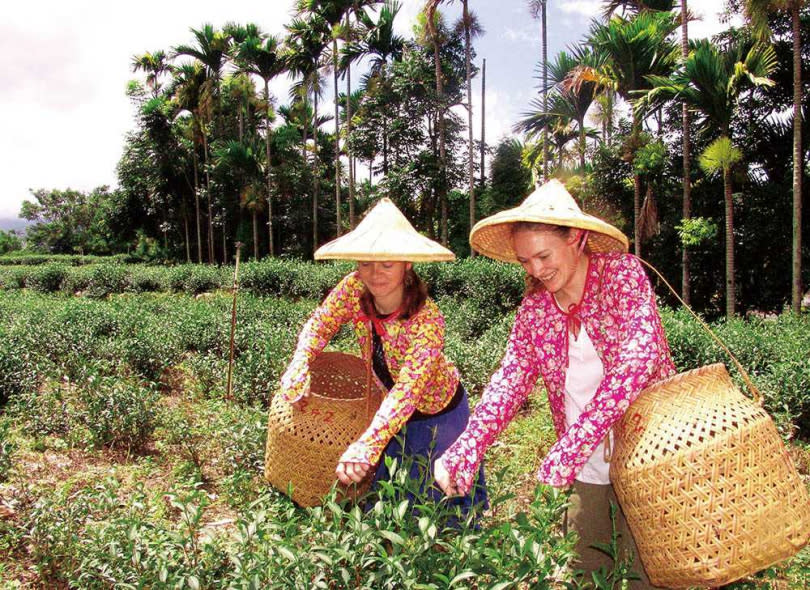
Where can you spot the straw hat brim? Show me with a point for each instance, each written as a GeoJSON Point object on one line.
{"type": "Point", "coordinates": [384, 234]}
{"type": "Point", "coordinates": [492, 236]}
{"type": "Point", "coordinates": [384, 248]}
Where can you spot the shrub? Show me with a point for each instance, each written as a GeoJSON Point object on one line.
{"type": "Point", "coordinates": [118, 413]}
{"type": "Point", "coordinates": [18, 367]}
{"type": "Point", "coordinates": [106, 279]}
{"type": "Point", "coordinates": [78, 279]}
{"type": "Point", "coordinates": [202, 278]}
{"type": "Point", "coordinates": [47, 278]}
{"type": "Point", "coordinates": [7, 448]}
{"type": "Point", "coordinates": [12, 277]}
{"type": "Point", "coordinates": [147, 279]}
{"type": "Point", "coordinates": [51, 410]}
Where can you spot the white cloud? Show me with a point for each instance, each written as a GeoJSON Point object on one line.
{"type": "Point", "coordinates": [586, 8]}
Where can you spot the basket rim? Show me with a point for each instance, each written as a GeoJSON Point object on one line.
{"type": "Point", "coordinates": [699, 370]}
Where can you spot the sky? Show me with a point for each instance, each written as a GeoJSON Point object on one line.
{"type": "Point", "coordinates": [64, 112]}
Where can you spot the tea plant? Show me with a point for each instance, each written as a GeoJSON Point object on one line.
{"type": "Point", "coordinates": [117, 413]}
{"type": "Point", "coordinates": [7, 448]}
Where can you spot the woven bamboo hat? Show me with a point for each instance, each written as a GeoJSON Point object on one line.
{"type": "Point", "coordinates": [384, 234]}
{"type": "Point", "coordinates": [552, 204]}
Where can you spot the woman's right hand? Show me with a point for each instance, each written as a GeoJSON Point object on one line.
{"type": "Point", "coordinates": [295, 381]}
{"type": "Point", "coordinates": [444, 480]}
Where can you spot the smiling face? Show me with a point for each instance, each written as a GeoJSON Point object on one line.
{"type": "Point", "coordinates": [552, 257]}
{"type": "Point", "coordinates": [385, 281]}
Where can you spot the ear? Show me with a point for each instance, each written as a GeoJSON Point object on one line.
{"type": "Point", "coordinates": [574, 236]}
{"type": "Point", "coordinates": [408, 266]}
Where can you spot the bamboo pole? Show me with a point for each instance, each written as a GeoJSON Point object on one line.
{"type": "Point", "coordinates": [235, 289]}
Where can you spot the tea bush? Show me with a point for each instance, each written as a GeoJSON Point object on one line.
{"type": "Point", "coordinates": [7, 448]}
{"type": "Point", "coordinates": [27, 259]}
{"type": "Point", "coordinates": [12, 277]}
{"type": "Point", "coordinates": [143, 279]}
{"type": "Point", "coordinates": [50, 410]}
{"type": "Point", "coordinates": [47, 278]}
{"type": "Point", "coordinates": [89, 538]}
{"type": "Point", "coordinates": [117, 413]}
{"type": "Point", "coordinates": [775, 352]}
{"type": "Point", "coordinates": [107, 279]}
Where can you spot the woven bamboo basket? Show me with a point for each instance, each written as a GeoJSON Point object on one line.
{"type": "Point", "coordinates": [304, 443]}
{"type": "Point", "coordinates": [708, 488]}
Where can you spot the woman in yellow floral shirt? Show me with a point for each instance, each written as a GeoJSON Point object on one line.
{"type": "Point", "coordinates": [401, 333]}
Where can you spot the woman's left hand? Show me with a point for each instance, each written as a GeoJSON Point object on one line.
{"type": "Point", "coordinates": [349, 472]}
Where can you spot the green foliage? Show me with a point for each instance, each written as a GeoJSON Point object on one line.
{"type": "Point", "coordinates": [69, 221]}
{"type": "Point", "coordinates": [510, 180]}
{"type": "Point", "coordinates": [144, 279]}
{"type": "Point", "coordinates": [160, 538]}
{"type": "Point", "coordinates": [774, 351]}
{"type": "Point", "coordinates": [106, 279]}
{"type": "Point", "coordinates": [47, 278]}
{"type": "Point", "coordinates": [650, 158]}
{"type": "Point", "coordinates": [50, 411]}
{"type": "Point", "coordinates": [696, 230]}
{"type": "Point", "coordinates": [7, 448]}
{"type": "Point", "coordinates": [9, 242]}
{"type": "Point", "coordinates": [117, 413]}
{"type": "Point", "coordinates": [719, 156]}
{"type": "Point", "coordinates": [26, 258]}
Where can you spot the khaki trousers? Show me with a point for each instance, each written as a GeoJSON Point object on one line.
{"type": "Point", "coordinates": [589, 516]}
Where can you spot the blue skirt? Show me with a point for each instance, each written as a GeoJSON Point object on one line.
{"type": "Point", "coordinates": [423, 439]}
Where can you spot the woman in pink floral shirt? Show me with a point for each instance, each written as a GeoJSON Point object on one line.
{"type": "Point", "coordinates": [401, 334]}
{"type": "Point", "coordinates": [590, 328]}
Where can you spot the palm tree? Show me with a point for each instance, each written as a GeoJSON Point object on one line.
{"type": "Point", "coordinates": [244, 162]}
{"type": "Point", "coordinates": [261, 56]}
{"type": "Point", "coordinates": [191, 93]}
{"type": "Point", "coordinates": [539, 9]}
{"type": "Point", "coordinates": [382, 45]}
{"type": "Point", "coordinates": [757, 12]}
{"type": "Point", "coordinates": [633, 49]}
{"type": "Point", "coordinates": [571, 98]}
{"type": "Point", "coordinates": [471, 27]}
{"type": "Point", "coordinates": [155, 65]}
{"type": "Point", "coordinates": [350, 34]}
{"type": "Point", "coordinates": [721, 156]}
{"type": "Point", "coordinates": [431, 6]}
{"type": "Point", "coordinates": [634, 7]}
{"type": "Point", "coordinates": [711, 82]}
{"type": "Point", "coordinates": [305, 44]}
{"type": "Point", "coordinates": [686, 126]}
{"type": "Point", "coordinates": [211, 51]}
{"type": "Point", "coordinates": [332, 12]}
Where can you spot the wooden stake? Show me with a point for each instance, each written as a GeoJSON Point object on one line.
{"type": "Point", "coordinates": [235, 289]}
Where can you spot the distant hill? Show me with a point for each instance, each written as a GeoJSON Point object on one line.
{"type": "Point", "coordinates": [15, 223]}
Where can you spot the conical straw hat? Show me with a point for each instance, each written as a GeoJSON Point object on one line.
{"type": "Point", "coordinates": [384, 234]}
{"type": "Point", "coordinates": [552, 204]}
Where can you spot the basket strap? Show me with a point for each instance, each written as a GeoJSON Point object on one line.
{"type": "Point", "coordinates": [368, 376]}
{"type": "Point", "coordinates": [751, 387]}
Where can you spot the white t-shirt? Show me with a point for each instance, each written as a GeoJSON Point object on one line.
{"type": "Point", "coordinates": [585, 373]}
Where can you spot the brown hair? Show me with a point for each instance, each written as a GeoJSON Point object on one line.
{"type": "Point", "coordinates": [414, 296]}
{"type": "Point", "coordinates": [534, 285]}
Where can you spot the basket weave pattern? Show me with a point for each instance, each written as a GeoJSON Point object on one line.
{"type": "Point", "coordinates": [706, 483]}
{"type": "Point", "coordinates": [304, 443]}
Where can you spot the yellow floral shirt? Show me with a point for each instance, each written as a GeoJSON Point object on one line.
{"type": "Point", "coordinates": [424, 379]}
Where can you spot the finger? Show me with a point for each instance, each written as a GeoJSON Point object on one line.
{"type": "Point", "coordinates": [340, 471]}
{"type": "Point", "coordinates": [356, 472]}
{"type": "Point", "coordinates": [361, 470]}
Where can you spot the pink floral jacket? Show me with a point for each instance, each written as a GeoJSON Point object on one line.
{"type": "Point", "coordinates": [424, 379]}
{"type": "Point", "coordinates": [619, 312]}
